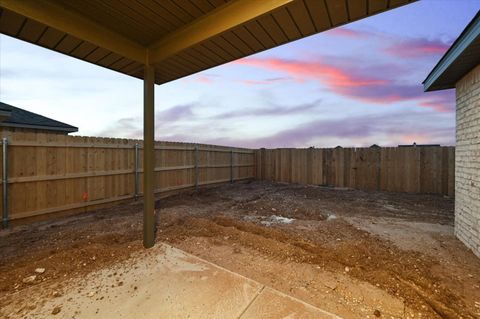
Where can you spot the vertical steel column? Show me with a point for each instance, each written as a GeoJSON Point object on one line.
{"type": "Point", "coordinates": [309, 170]}
{"type": "Point", "coordinates": [231, 166]}
{"type": "Point", "coordinates": [5, 182]}
{"type": "Point", "coordinates": [196, 168]}
{"type": "Point", "coordinates": [263, 164]}
{"type": "Point", "coordinates": [137, 173]}
{"type": "Point", "coordinates": [148, 156]}
{"type": "Point", "coordinates": [379, 168]}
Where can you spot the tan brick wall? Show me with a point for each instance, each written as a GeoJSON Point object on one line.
{"type": "Point", "coordinates": [467, 161]}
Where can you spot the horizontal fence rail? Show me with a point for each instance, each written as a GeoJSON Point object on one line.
{"type": "Point", "coordinates": [55, 173]}
{"type": "Point", "coordinates": [398, 169]}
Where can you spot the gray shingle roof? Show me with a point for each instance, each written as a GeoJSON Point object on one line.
{"type": "Point", "coordinates": [23, 118]}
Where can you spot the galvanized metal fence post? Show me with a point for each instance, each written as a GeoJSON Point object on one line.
{"type": "Point", "coordinates": [137, 173]}
{"type": "Point", "coordinates": [379, 168]}
{"type": "Point", "coordinates": [231, 166]}
{"type": "Point", "coordinates": [263, 164]}
{"type": "Point", "coordinates": [309, 170]}
{"type": "Point", "coordinates": [5, 182]}
{"type": "Point", "coordinates": [196, 168]}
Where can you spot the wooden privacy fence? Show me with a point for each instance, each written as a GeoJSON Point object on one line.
{"type": "Point", "coordinates": [56, 173]}
{"type": "Point", "coordinates": [396, 169]}
{"type": "Point", "coordinates": [52, 173]}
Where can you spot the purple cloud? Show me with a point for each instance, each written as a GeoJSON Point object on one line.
{"type": "Point", "coordinates": [125, 127]}
{"type": "Point", "coordinates": [175, 113]}
{"type": "Point", "coordinates": [400, 127]}
{"type": "Point", "coordinates": [266, 81]}
{"type": "Point", "coordinates": [417, 48]}
{"type": "Point", "coordinates": [404, 127]}
{"type": "Point", "coordinates": [271, 110]}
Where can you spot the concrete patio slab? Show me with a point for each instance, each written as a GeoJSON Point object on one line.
{"type": "Point", "coordinates": [165, 282]}
{"type": "Point", "coordinates": [272, 304]}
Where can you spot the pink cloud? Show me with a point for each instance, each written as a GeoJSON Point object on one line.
{"type": "Point", "coordinates": [441, 101]}
{"type": "Point", "coordinates": [255, 82]}
{"type": "Point", "coordinates": [204, 79]}
{"type": "Point", "coordinates": [355, 83]}
{"type": "Point", "coordinates": [345, 32]}
{"type": "Point", "coordinates": [419, 138]}
{"type": "Point", "coordinates": [200, 78]}
{"type": "Point", "coordinates": [265, 81]}
{"type": "Point", "coordinates": [316, 70]}
{"type": "Point", "coordinates": [417, 48]}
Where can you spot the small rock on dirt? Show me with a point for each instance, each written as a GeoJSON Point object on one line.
{"type": "Point", "coordinates": [377, 313]}
{"type": "Point", "coordinates": [56, 294]}
{"type": "Point", "coordinates": [56, 310]}
{"type": "Point", "coordinates": [29, 279]}
{"type": "Point", "coordinates": [40, 270]}
{"type": "Point", "coordinates": [331, 217]}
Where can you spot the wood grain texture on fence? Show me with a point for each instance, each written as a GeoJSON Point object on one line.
{"type": "Point", "coordinates": [427, 170]}
{"type": "Point", "coordinates": [50, 173]}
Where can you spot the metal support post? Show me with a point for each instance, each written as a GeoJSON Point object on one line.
{"type": "Point", "coordinates": [137, 172]}
{"type": "Point", "coordinates": [231, 166]}
{"type": "Point", "coordinates": [5, 217]}
{"type": "Point", "coordinates": [196, 168]}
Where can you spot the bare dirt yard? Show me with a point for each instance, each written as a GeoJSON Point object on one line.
{"type": "Point", "coordinates": [353, 253]}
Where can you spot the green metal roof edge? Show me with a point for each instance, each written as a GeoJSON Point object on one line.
{"type": "Point", "coordinates": [469, 34]}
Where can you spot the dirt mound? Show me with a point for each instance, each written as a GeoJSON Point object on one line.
{"type": "Point", "coordinates": [367, 257]}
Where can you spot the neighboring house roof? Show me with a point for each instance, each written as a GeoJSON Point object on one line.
{"type": "Point", "coordinates": [461, 57]}
{"type": "Point", "coordinates": [420, 145]}
{"type": "Point", "coordinates": [17, 117]}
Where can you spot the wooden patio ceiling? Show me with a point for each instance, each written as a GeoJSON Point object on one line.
{"type": "Point", "coordinates": [184, 36]}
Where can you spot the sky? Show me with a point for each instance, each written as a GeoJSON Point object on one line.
{"type": "Point", "coordinates": [353, 86]}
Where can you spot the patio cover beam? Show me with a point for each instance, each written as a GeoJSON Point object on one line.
{"type": "Point", "coordinates": [224, 18]}
{"type": "Point", "coordinates": [57, 17]}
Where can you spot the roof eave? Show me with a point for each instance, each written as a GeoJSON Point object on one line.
{"type": "Point", "coordinates": [471, 32]}
{"type": "Point", "coordinates": [4, 113]}
{"type": "Point", "coordinates": [42, 127]}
